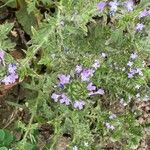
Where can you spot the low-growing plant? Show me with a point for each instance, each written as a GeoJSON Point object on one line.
{"type": "Point", "coordinates": [85, 68]}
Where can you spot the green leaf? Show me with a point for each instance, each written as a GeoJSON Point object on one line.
{"type": "Point", "coordinates": [2, 135]}
{"type": "Point", "coordinates": [26, 20]}
{"type": "Point", "coordinates": [3, 148]}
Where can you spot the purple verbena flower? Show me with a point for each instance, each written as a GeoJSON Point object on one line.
{"type": "Point", "coordinates": [139, 71]}
{"type": "Point", "coordinates": [104, 55]}
{"type": "Point", "coordinates": [144, 13]}
{"type": "Point", "coordinates": [75, 148]}
{"type": "Point", "coordinates": [130, 75]}
{"type": "Point", "coordinates": [96, 64]}
{"type": "Point", "coordinates": [91, 87]}
{"type": "Point", "coordinates": [134, 55]}
{"type": "Point", "coordinates": [100, 92]}
{"type": "Point", "coordinates": [113, 6]}
{"type": "Point", "coordinates": [55, 97]}
{"type": "Point", "coordinates": [109, 126]}
{"type": "Point", "coordinates": [78, 69]}
{"type": "Point", "coordinates": [10, 79]}
{"type": "Point", "coordinates": [79, 104]}
{"type": "Point", "coordinates": [64, 79]}
{"type": "Point", "coordinates": [129, 5]}
{"type": "Point", "coordinates": [12, 68]}
{"type": "Point", "coordinates": [64, 99]}
{"type": "Point", "coordinates": [139, 27]}
{"type": "Point", "coordinates": [101, 6]}
{"type": "Point", "coordinates": [112, 116]}
{"type": "Point", "coordinates": [130, 63]}
{"type": "Point", "coordinates": [86, 74]}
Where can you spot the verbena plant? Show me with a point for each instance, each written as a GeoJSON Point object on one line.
{"type": "Point", "coordinates": [84, 57]}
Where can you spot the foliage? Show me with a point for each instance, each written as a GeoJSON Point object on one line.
{"type": "Point", "coordinates": [67, 33]}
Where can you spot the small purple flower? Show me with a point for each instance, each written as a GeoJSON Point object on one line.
{"type": "Point", "coordinates": [104, 55]}
{"type": "Point", "coordinates": [139, 27]}
{"type": "Point", "coordinates": [109, 126]}
{"type": "Point", "coordinates": [144, 13]}
{"type": "Point", "coordinates": [130, 63]}
{"type": "Point", "coordinates": [79, 104]}
{"type": "Point", "coordinates": [75, 148]}
{"type": "Point", "coordinates": [55, 97]}
{"type": "Point", "coordinates": [96, 64]}
{"type": "Point", "coordinates": [64, 99]}
{"type": "Point", "coordinates": [113, 6]}
{"type": "Point", "coordinates": [12, 68]}
{"type": "Point", "coordinates": [86, 74]}
{"type": "Point", "coordinates": [100, 92]}
{"type": "Point", "coordinates": [78, 69]}
{"type": "Point", "coordinates": [129, 5]}
{"type": "Point", "coordinates": [112, 116]}
{"type": "Point", "coordinates": [139, 71]}
{"type": "Point", "coordinates": [101, 6]}
{"type": "Point", "coordinates": [64, 79]}
{"type": "Point", "coordinates": [130, 75]}
{"type": "Point", "coordinates": [10, 79]}
{"type": "Point", "coordinates": [91, 87]}
{"type": "Point", "coordinates": [134, 55]}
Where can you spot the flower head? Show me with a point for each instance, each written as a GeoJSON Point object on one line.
{"type": "Point", "coordinates": [113, 6]}
{"type": "Point", "coordinates": [144, 13]}
{"type": "Point", "coordinates": [86, 74]}
{"type": "Point", "coordinates": [139, 27]}
{"type": "Point", "coordinates": [64, 99]}
{"type": "Point", "coordinates": [78, 69]}
{"type": "Point", "coordinates": [10, 79]}
{"type": "Point", "coordinates": [63, 79]}
{"type": "Point", "coordinates": [130, 63]}
{"type": "Point", "coordinates": [101, 6]}
{"type": "Point", "coordinates": [55, 97]}
{"type": "Point", "coordinates": [12, 68]}
{"type": "Point", "coordinates": [133, 56]}
{"type": "Point", "coordinates": [91, 87]}
{"type": "Point", "coordinates": [96, 64]}
{"type": "Point", "coordinates": [109, 126]}
{"type": "Point", "coordinates": [112, 116]}
{"type": "Point", "coordinates": [129, 5]}
{"type": "Point", "coordinates": [100, 92]}
{"type": "Point", "coordinates": [79, 104]}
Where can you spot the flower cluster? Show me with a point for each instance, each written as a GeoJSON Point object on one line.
{"type": "Point", "coordinates": [11, 68]}
{"type": "Point", "coordinates": [84, 75]}
{"type": "Point", "coordinates": [133, 71]}
{"type": "Point", "coordinates": [129, 4]}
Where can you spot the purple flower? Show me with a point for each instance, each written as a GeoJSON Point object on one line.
{"type": "Point", "coordinates": [63, 79]}
{"type": "Point", "coordinates": [101, 5]}
{"type": "Point", "coordinates": [91, 87]}
{"type": "Point", "coordinates": [130, 75]}
{"type": "Point", "coordinates": [64, 99]}
{"type": "Point", "coordinates": [100, 92]}
{"type": "Point", "coordinates": [96, 64]}
{"type": "Point", "coordinates": [139, 27]}
{"type": "Point", "coordinates": [109, 126]}
{"type": "Point", "coordinates": [55, 97]}
{"type": "Point", "coordinates": [10, 79]}
{"type": "Point", "coordinates": [139, 71]}
{"type": "Point", "coordinates": [112, 116]}
{"type": "Point", "coordinates": [86, 74]}
{"type": "Point", "coordinates": [104, 55]}
{"type": "Point", "coordinates": [75, 148]}
{"type": "Point", "coordinates": [113, 6]}
{"type": "Point", "coordinates": [79, 104]}
{"type": "Point", "coordinates": [12, 68]}
{"type": "Point", "coordinates": [129, 5]}
{"type": "Point", "coordinates": [133, 56]}
{"type": "Point", "coordinates": [78, 69]}
{"type": "Point", "coordinates": [1, 55]}
{"type": "Point", "coordinates": [144, 13]}
{"type": "Point", "coordinates": [130, 63]}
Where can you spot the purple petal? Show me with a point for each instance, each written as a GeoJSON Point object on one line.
{"type": "Point", "coordinates": [101, 6]}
